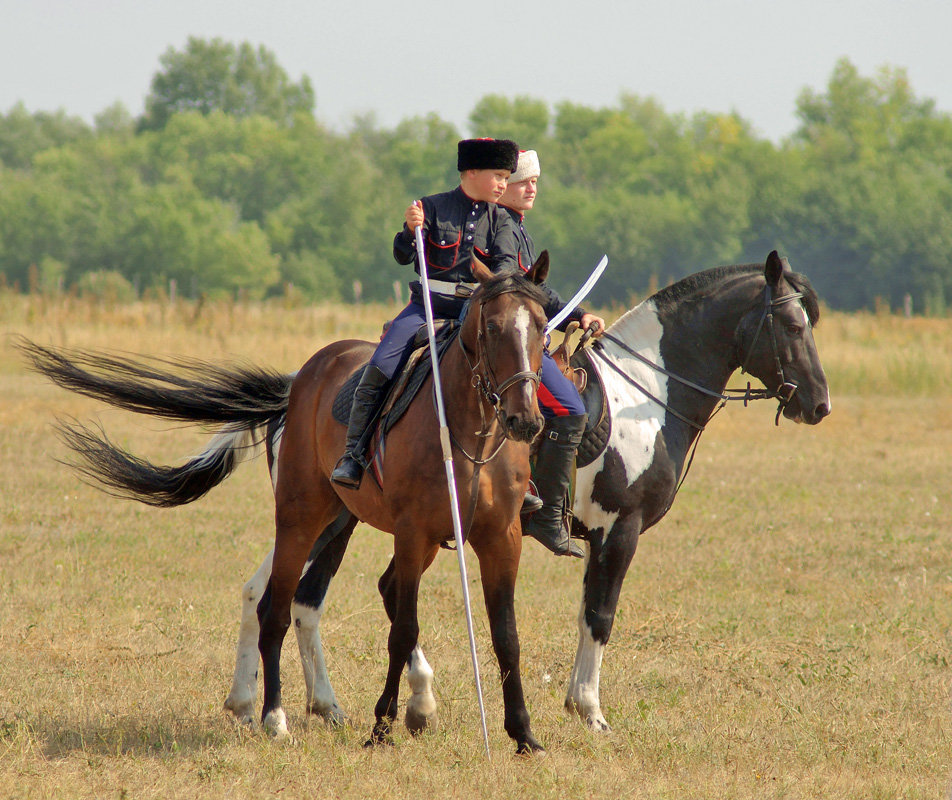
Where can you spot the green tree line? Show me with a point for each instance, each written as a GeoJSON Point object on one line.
{"type": "Point", "coordinates": [229, 184]}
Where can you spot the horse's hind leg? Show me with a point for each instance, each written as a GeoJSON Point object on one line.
{"type": "Point", "coordinates": [307, 610]}
{"type": "Point", "coordinates": [244, 684]}
{"type": "Point", "coordinates": [421, 706]}
{"type": "Point", "coordinates": [410, 559]}
{"type": "Point", "coordinates": [305, 504]}
{"type": "Point", "coordinates": [499, 566]}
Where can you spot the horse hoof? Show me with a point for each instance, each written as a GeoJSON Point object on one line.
{"type": "Point", "coordinates": [333, 715]}
{"type": "Point", "coordinates": [596, 723]}
{"type": "Point", "coordinates": [376, 741]}
{"type": "Point", "coordinates": [275, 725]}
{"type": "Point", "coordinates": [380, 735]}
{"type": "Point", "coordinates": [530, 749]}
{"type": "Point", "coordinates": [243, 711]}
{"type": "Point", "coordinates": [594, 720]}
{"type": "Point", "coordinates": [418, 722]}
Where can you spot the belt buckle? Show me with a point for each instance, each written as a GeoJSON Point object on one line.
{"type": "Point", "coordinates": [462, 290]}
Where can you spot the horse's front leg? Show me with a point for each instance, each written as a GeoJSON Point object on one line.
{"type": "Point", "coordinates": [499, 566]}
{"type": "Point", "coordinates": [607, 564]}
{"type": "Point", "coordinates": [411, 557]}
{"type": "Point", "coordinates": [421, 706]}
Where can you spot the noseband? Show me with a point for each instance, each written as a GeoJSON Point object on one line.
{"type": "Point", "coordinates": [786, 389]}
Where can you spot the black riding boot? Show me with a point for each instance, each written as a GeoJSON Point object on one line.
{"type": "Point", "coordinates": [553, 476]}
{"type": "Point", "coordinates": [367, 399]}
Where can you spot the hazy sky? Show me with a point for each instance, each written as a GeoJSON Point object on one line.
{"type": "Point", "coordinates": [402, 59]}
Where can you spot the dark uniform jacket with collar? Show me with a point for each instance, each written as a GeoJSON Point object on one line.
{"type": "Point", "coordinates": [527, 257]}
{"type": "Point", "coordinates": [455, 228]}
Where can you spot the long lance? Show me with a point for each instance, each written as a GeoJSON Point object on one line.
{"type": "Point", "coordinates": [450, 477]}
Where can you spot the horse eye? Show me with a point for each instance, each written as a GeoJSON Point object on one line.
{"type": "Point", "coordinates": [794, 330]}
{"type": "Point", "coordinates": [492, 329]}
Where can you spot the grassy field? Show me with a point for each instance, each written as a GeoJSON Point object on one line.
{"type": "Point", "coordinates": [785, 632]}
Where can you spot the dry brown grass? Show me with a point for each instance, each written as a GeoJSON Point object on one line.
{"type": "Point", "coordinates": [785, 632]}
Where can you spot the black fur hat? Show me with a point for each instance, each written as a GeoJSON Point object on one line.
{"type": "Point", "coordinates": [487, 154]}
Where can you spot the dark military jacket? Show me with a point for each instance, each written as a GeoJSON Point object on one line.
{"type": "Point", "coordinates": [527, 257]}
{"type": "Point", "coordinates": [455, 228]}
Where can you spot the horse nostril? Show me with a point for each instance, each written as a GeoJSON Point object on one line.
{"type": "Point", "coordinates": [821, 411]}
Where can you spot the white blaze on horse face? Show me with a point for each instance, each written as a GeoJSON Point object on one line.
{"type": "Point", "coordinates": [522, 322]}
{"type": "Point", "coordinates": [636, 419]}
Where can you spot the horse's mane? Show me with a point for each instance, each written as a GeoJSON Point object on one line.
{"type": "Point", "coordinates": [508, 282]}
{"type": "Point", "coordinates": [694, 284]}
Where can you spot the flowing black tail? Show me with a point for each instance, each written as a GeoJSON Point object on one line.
{"type": "Point", "coordinates": [241, 400]}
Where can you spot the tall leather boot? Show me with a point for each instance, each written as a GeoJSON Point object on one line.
{"type": "Point", "coordinates": [367, 399]}
{"type": "Point", "coordinates": [553, 475]}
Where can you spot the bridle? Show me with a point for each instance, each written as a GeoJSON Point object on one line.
{"type": "Point", "coordinates": [786, 389]}
{"type": "Point", "coordinates": [490, 389]}
{"type": "Point", "coordinates": [784, 393]}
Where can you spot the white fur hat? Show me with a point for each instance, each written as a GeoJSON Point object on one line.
{"type": "Point", "coordinates": [528, 166]}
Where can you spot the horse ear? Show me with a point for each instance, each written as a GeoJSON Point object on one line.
{"type": "Point", "coordinates": [773, 269]}
{"type": "Point", "coordinates": [481, 272]}
{"type": "Point", "coordinates": [539, 271]}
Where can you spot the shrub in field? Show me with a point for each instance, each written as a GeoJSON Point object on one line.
{"type": "Point", "coordinates": [106, 286]}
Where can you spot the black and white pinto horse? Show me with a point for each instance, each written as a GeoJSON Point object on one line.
{"type": "Point", "coordinates": [664, 366]}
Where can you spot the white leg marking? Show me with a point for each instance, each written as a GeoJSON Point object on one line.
{"type": "Point", "coordinates": [320, 694]}
{"type": "Point", "coordinates": [276, 724]}
{"type": "Point", "coordinates": [244, 685]}
{"type": "Point", "coordinates": [582, 695]}
{"type": "Point", "coordinates": [421, 707]}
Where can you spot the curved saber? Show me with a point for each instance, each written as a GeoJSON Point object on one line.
{"type": "Point", "coordinates": [450, 476]}
{"type": "Point", "coordinates": [580, 295]}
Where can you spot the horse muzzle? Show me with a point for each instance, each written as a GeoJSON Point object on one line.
{"type": "Point", "coordinates": [797, 407]}
{"type": "Point", "coordinates": [523, 427]}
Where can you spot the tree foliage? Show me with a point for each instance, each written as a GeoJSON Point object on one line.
{"type": "Point", "coordinates": [229, 184]}
{"type": "Point", "coordinates": [215, 75]}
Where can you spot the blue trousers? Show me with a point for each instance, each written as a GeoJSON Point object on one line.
{"type": "Point", "coordinates": [558, 396]}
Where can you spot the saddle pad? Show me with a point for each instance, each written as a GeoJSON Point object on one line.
{"type": "Point", "coordinates": [407, 383]}
{"type": "Point", "coordinates": [598, 429]}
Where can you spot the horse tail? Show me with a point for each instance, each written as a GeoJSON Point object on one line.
{"type": "Point", "coordinates": [248, 403]}
{"type": "Point", "coordinates": [185, 390]}
{"type": "Point", "coordinates": [122, 474]}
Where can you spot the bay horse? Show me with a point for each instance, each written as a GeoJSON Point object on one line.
{"type": "Point", "coordinates": [492, 377]}
{"type": "Point", "coordinates": [663, 365]}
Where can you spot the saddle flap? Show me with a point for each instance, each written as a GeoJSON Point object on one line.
{"type": "Point", "coordinates": [599, 426]}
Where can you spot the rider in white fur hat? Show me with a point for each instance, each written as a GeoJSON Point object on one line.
{"type": "Point", "coordinates": [559, 400]}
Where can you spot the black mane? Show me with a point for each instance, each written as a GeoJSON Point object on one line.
{"type": "Point", "coordinates": [694, 284]}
